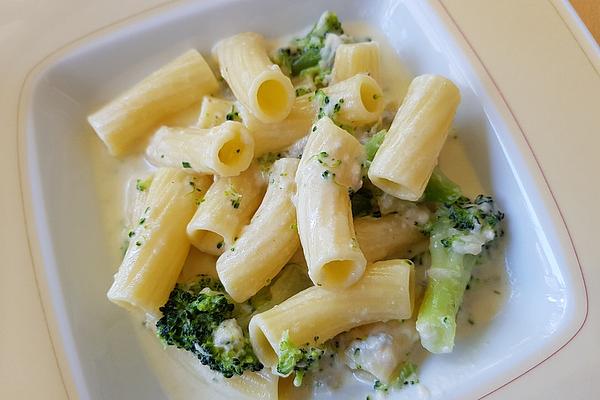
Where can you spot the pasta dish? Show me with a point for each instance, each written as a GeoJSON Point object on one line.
{"type": "Point", "coordinates": [292, 231]}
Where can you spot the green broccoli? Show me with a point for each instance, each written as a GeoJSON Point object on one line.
{"type": "Point", "coordinates": [309, 55]}
{"type": "Point", "coordinates": [199, 317]}
{"type": "Point", "coordinates": [407, 375]}
{"type": "Point", "coordinates": [458, 232]}
{"type": "Point", "coordinates": [297, 359]}
{"type": "Point", "coordinates": [440, 189]}
{"type": "Point", "coordinates": [373, 144]}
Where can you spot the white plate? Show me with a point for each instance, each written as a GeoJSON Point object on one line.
{"type": "Point", "coordinates": [547, 303]}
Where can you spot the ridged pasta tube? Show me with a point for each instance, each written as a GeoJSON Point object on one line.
{"type": "Point", "coordinates": [409, 152]}
{"type": "Point", "coordinates": [228, 205]}
{"type": "Point", "coordinates": [132, 116]}
{"type": "Point", "coordinates": [225, 150]}
{"type": "Point", "coordinates": [186, 378]}
{"type": "Point", "coordinates": [159, 246]}
{"type": "Point", "coordinates": [358, 100]}
{"type": "Point", "coordinates": [213, 112]}
{"type": "Point", "coordinates": [356, 58]}
{"type": "Point", "coordinates": [279, 135]}
{"type": "Point", "coordinates": [330, 166]}
{"type": "Point", "coordinates": [315, 315]}
{"type": "Point", "coordinates": [268, 242]}
{"type": "Point", "coordinates": [254, 80]}
{"type": "Point", "coordinates": [390, 235]}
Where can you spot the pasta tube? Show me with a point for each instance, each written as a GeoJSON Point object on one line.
{"type": "Point", "coordinates": [330, 166]}
{"type": "Point", "coordinates": [357, 101]}
{"type": "Point", "coordinates": [356, 58]}
{"type": "Point", "coordinates": [197, 263]}
{"type": "Point", "coordinates": [315, 315]}
{"type": "Point", "coordinates": [184, 376]}
{"type": "Point", "coordinates": [279, 135]}
{"type": "Point", "coordinates": [268, 242]}
{"type": "Point", "coordinates": [213, 112]}
{"type": "Point", "coordinates": [390, 235]}
{"type": "Point", "coordinates": [227, 207]}
{"type": "Point", "coordinates": [254, 80]}
{"type": "Point", "coordinates": [131, 117]}
{"type": "Point", "coordinates": [409, 152]}
{"type": "Point", "coordinates": [159, 246]}
{"type": "Point", "coordinates": [225, 150]}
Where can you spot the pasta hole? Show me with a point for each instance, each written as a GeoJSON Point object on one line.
{"type": "Point", "coordinates": [261, 344]}
{"type": "Point", "coordinates": [272, 97]}
{"type": "Point", "coordinates": [370, 95]}
{"type": "Point", "coordinates": [232, 150]}
{"type": "Point", "coordinates": [398, 190]}
{"type": "Point", "coordinates": [336, 273]}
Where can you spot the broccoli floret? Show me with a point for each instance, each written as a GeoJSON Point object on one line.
{"type": "Point", "coordinates": [312, 55]}
{"type": "Point", "coordinates": [199, 317]}
{"type": "Point", "coordinates": [296, 359]}
{"type": "Point", "coordinates": [459, 231]}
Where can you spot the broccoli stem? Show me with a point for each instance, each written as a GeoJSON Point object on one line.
{"type": "Point", "coordinates": [373, 144]}
{"type": "Point", "coordinates": [449, 275]}
{"type": "Point", "coordinates": [440, 188]}
{"type": "Point", "coordinates": [309, 58]}
{"type": "Point", "coordinates": [459, 231]}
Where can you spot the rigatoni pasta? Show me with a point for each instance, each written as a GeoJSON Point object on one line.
{"type": "Point", "coordinates": [225, 150]}
{"type": "Point", "coordinates": [158, 246]}
{"type": "Point", "coordinates": [198, 263]}
{"type": "Point", "coordinates": [330, 166]}
{"type": "Point", "coordinates": [130, 118]}
{"type": "Point", "coordinates": [273, 137]}
{"type": "Point", "coordinates": [356, 58]}
{"type": "Point", "coordinates": [391, 235]}
{"type": "Point", "coordinates": [255, 81]}
{"type": "Point", "coordinates": [410, 150]}
{"type": "Point", "coordinates": [268, 242]}
{"type": "Point", "coordinates": [214, 111]}
{"type": "Point", "coordinates": [249, 386]}
{"type": "Point", "coordinates": [317, 314]}
{"type": "Point", "coordinates": [356, 101]}
{"type": "Point", "coordinates": [227, 206]}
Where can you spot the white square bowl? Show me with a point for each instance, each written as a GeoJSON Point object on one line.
{"type": "Point", "coordinates": [98, 351]}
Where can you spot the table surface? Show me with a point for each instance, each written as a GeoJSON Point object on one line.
{"type": "Point", "coordinates": [554, 98]}
{"type": "Point", "coordinates": [589, 12]}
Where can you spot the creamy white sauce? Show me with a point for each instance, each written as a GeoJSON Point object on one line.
{"type": "Point", "coordinates": [115, 181]}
